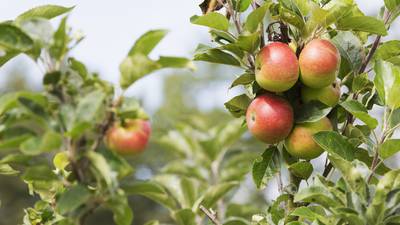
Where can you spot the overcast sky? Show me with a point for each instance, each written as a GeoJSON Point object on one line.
{"type": "Point", "coordinates": [112, 26]}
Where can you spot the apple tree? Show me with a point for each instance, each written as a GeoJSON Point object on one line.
{"type": "Point", "coordinates": [313, 84]}
{"type": "Point", "coordinates": [54, 140]}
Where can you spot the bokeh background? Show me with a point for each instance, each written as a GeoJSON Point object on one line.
{"type": "Point", "coordinates": [169, 96]}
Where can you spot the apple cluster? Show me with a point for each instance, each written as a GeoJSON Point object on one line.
{"type": "Point", "coordinates": [270, 117]}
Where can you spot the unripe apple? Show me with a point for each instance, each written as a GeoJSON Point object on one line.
{"type": "Point", "coordinates": [300, 142]}
{"type": "Point", "coordinates": [269, 118]}
{"type": "Point", "coordinates": [278, 67]}
{"type": "Point", "coordinates": [130, 138]}
{"type": "Point", "coordinates": [329, 95]}
{"type": "Point", "coordinates": [319, 63]}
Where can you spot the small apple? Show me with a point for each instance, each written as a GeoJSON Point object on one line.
{"type": "Point", "coordinates": [319, 63]}
{"type": "Point", "coordinates": [329, 95]}
{"type": "Point", "coordinates": [278, 67]}
{"type": "Point", "coordinates": [130, 138]}
{"type": "Point", "coordinates": [300, 142]}
{"type": "Point", "coordinates": [269, 118]}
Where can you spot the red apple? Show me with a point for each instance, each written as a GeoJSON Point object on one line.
{"type": "Point", "coordinates": [269, 118]}
{"type": "Point", "coordinates": [319, 63]}
{"type": "Point", "coordinates": [300, 142]}
{"type": "Point", "coordinates": [129, 139]}
{"type": "Point", "coordinates": [278, 67]}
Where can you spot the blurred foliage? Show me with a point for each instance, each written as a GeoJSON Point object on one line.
{"type": "Point", "coordinates": [178, 107]}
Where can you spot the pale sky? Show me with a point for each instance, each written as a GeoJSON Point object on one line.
{"type": "Point", "coordinates": [112, 26]}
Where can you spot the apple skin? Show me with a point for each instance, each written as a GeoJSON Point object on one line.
{"type": "Point", "coordinates": [269, 118]}
{"type": "Point", "coordinates": [319, 63]}
{"type": "Point", "coordinates": [300, 142]}
{"type": "Point", "coordinates": [129, 139]}
{"type": "Point", "coordinates": [279, 67]}
{"type": "Point", "coordinates": [329, 95]}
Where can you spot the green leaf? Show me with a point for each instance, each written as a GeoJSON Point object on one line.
{"type": "Point", "coordinates": [61, 160]}
{"type": "Point", "coordinates": [188, 188]}
{"type": "Point", "coordinates": [119, 205]}
{"type": "Point", "coordinates": [311, 112]}
{"type": "Point", "coordinates": [216, 192]}
{"type": "Point", "coordinates": [100, 164]}
{"type": "Point", "coordinates": [242, 5]}
{"type": "Point", "coordinates": [6, 169]}
{"type": "Point", "coordinates": [175, 62]}
{"type": "Point", "coordinates": [265, 167]}
{"type": "Point", "coordinates": [361, 82]}
{"type": "Point", "coordinates": [14, 142]}
{"type": "Point", "coordinates": [147, 42]}
{"type": "Point", "coordinates": [387, 81]}
{"type": "Point", "coordinates": [60, 46]}
{"type": "Point", "coordinates": [152, 191]}
{"type": "Point", "coordinates": [237, 106]}
{"type": "Point", "coordinates": [388, 51]}
{"type": "Point", "coordinates": [215, 56]}
{"type": "Point", "coordinates": [376, 210]}
{"type": "Point", "coordinates": [316, 19]}
{"type": "Point", "coordinates": [39, 173]}
{"type": "Point", "coordinates": [248, 43]}
{"type": "Point", "coordinates": [244, 79]}
{"type": "Point", "coordinates": [8, 56]}
{"type": "Point", "coordinates": [389, 148]}
{"type": "Point", "coordinates": [117, 163]}
{"type": "Point", "coordinates": [337, 9]}
{"type": "Point", "coordinates": [79, 67]}
{"type": "Point", "coordinates": [293, 19]}
{"type": "Point", "coordinates": [363, 23]}
{"type": "Point", "coordinates": [360, 112]}
{"type": "Point", "coordinates": [318, 195]}
{"type": "Point", "coordinates": [351, 51]}
{"type": "Point", "coordinates": [395, 118]}
{"type": "Point", "coordinates": [301, 169]}
{"type": "Point", "coordinates": [212, 20]}
{"type": "Point", "coordinates": [13, 38]}
{"type": "Point", "coordinates": [309, 214]}
{"type": "Point", "coordinates": [88, 110]}
{"type": "Point", "coordinates": [18, 158]}
{"type": "Point", "coordinates": [256, 17]}
{"type": "Point", "coordinates": [299, 7]}
{"type": "Point", "coordinates": [392, 4]}
{"type": "Point", "coordinates": [72, 198]}
{"type": "Point", "coordinates": [351, 172]}
{"type": "Point", "coordinates": [44, 11]}
{"type": "Point", "coordinates": [135, 67]}
{"type": "Point", "coordinates": [36, 145]}
{"type": "Point", "coordinates": [40, 30]}
{"type": "Point", "coordinates": [185, 217]}
{"type": "Point", "coordinates": [334, 143]}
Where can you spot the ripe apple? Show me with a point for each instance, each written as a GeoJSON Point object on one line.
{"type": "Point", "coordinates": [329, 95]}
{"type": "Point", "coordinates": [319, 63]}
{"type": "Point", "coordinates": [278, 67]}
{"type": "Point", "coordinates": [300, 142]}
{"type": "Point", "coordinates": [130, 138]}
{"type": "Point", "coordinates": [269, 118]}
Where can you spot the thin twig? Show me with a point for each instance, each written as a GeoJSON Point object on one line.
{"type": "Point", "coordinates": [212, 216]}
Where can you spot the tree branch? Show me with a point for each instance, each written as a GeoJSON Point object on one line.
{"type": "Point", "coordinates": [107, 122]}
{"type": "Point", "coordinates": [211, 215]}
